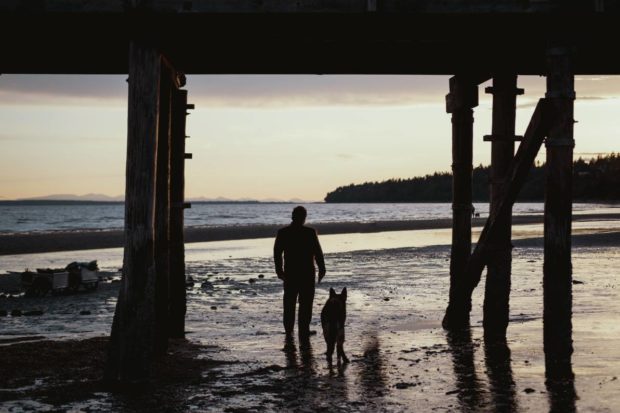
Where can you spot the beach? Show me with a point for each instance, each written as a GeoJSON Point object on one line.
{"type": "Point", "coordinates": [401, 358]}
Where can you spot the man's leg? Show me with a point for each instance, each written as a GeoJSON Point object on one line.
{"type": "Point", "coordinates": [306, 299]}
{"type": "Point", "coordinates": [290, 299]}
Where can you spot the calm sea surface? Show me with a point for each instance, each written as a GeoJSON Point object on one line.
{"type": "Point", "coordinates": [44, 218]}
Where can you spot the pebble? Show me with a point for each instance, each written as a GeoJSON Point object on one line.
{"type": "Point", "coordinates": [577, 282]}
{"type": "Point", "coordinates": [386, 299]}
{"type": "Point", "coordinates": [252, 280]}
{"type": "Point", "coordinates": [84, 312]}
{"type": "Point", "coordinates": [33, 312]}
{"type": "Point", "coordinates": [528, 390]}
{"type": "Point", "coordinates": [213, 307]}
{"type": "Point", "coordinates": [206, 285]}
{"type": "Point", "coordinates": [261, 276]}
{"type": "Point", "coordinates": [234, 307]}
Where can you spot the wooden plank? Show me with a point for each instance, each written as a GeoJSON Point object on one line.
{"type": "Point", "coordinates": [133, 330]}
{"type": "Point", "coordinates": [162, 210]}
{"type": "Point", "coordinates": [526, 154]}
{"type": "Point", "coordinates": [497, 288]}
{"type": "Point", "coordinates": [177, 306]}
{"type": "Point", "coordinates": [338, 43]}
{"type": "Point", "coordinates": [305, 6]}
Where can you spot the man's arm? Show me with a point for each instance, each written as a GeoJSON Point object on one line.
{"type": "Point", "coordinates": [278, 249]}
{"type": "Point", "coordinates": [318, 256]}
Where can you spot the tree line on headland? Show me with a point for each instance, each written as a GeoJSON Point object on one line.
{"type": "Point", "coordinates": [597, 179]}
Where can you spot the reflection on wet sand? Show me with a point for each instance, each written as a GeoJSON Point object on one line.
{"type": "Point", "coordinates": [372, 369]}
{"type": "Point", "coordinates": [560, 383]}
{"type": "Point", "coordinates": [467, 384]}
{"type": "Point", "coordinates": [499, 371]}
{"type": "Point", "coordinates": [304, 385]}
{"type": "Point", "coordinates": [299, 362]}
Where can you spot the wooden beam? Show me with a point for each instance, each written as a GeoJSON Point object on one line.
{"type": "Point", "coordinates": [557, 279]}
{"type": "Point", "coordinates": [520, 166]}
{"type": "Point", "coordinates": [133, 330]}
{"type": "Point", "coordinates": [178, 306]}
{"type": "Point", "coordinates": [162, 209]}
{"type": "Point", "coordinates": [497, 288]}
{"type": "Point", "coordinates": [461, 100]}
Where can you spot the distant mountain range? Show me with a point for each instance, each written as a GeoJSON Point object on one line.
{"type": "Point", "coordinates": [120, 198]}
{"type": "Point", "coordinates": [72, 197]}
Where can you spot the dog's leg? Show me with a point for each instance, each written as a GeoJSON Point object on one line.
{"type": "Point", "coordinates": [330, 350]}
{"type": "Point", "coordinates": [340, 349]}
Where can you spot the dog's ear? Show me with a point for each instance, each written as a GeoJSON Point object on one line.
{"type": "Point", "coordinates": [332, 293]}
{"type": "Point", "coordinates": [344, 294]}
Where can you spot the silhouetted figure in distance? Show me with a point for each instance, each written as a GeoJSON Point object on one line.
{"type": "Point", "coordinates": [301, 248]}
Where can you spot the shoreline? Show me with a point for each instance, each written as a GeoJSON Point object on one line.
{"type": "Point", "coordinates": [29, 243]}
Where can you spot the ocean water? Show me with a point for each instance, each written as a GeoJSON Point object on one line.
{"type": "Point", "coordinates": [45, 218]}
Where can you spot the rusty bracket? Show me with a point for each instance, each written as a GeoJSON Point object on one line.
{"type": "Point", "coordinates": [491, 90]}
{"type": "Point", "coordinates": [462, 207]}
{"type": "Point", "coordinates": [560, 142]}
{"type": "Point", "coordinates": [496, 137]}
{"type": "Point", "coordinates": [562, 94]}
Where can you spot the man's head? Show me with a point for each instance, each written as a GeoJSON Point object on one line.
{"type": "Point", "coordinates": [299, 215]}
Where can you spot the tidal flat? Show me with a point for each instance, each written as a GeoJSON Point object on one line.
{"type": "Point", "coordinates": [401, 358]}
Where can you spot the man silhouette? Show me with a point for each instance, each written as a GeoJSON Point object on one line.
{"type": "Point", "coordinates": [301, 248]}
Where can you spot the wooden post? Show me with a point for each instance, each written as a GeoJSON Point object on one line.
{"type": "Point", "coordinates": [557, 280]}
{"type": "Point", "coordinates": [497, 289]}
{"type": "Point", "coordinates": [177, 188]}
{"type": "Point", "coordinates": [162, 211]}
{"type": "Point", "coordinates": [461, 100]}
{"type": "Point", "coordinates": [133, 330]}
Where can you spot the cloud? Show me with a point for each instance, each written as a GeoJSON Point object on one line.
{"type": "Point", "coordinates": [313, 90]}
{"type": "Point", "coordinates": [63, 89]}
{"type": "Point", "coordinates": [272, 91]}
{"type": "Point", "coordinates": [249, 91]}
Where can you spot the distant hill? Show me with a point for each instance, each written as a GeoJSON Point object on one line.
{"type": "Point", "coordinates": [597, 179]}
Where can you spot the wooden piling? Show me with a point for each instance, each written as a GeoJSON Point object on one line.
{"type": "Point", "coordinates": [133, 330]}
{"type": "Point", "coordinates": [497, 289]}
{"type": "Point", "coordinates": [177, 305]}
{"type": "Point", "coordinates": [461, 100]}
{"type": "Point", "coordinates": [162, 211]}
{"type": "Point", "coordinates": [557, 279]}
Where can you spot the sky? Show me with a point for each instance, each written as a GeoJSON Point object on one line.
{"type": "Point", "coordinates": [264, 137]}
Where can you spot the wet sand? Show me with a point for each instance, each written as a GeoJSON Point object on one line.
{"type": "Point", "coordinates": [401, 360]}
{"type": "Point", "coordinates": [29, 243]}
